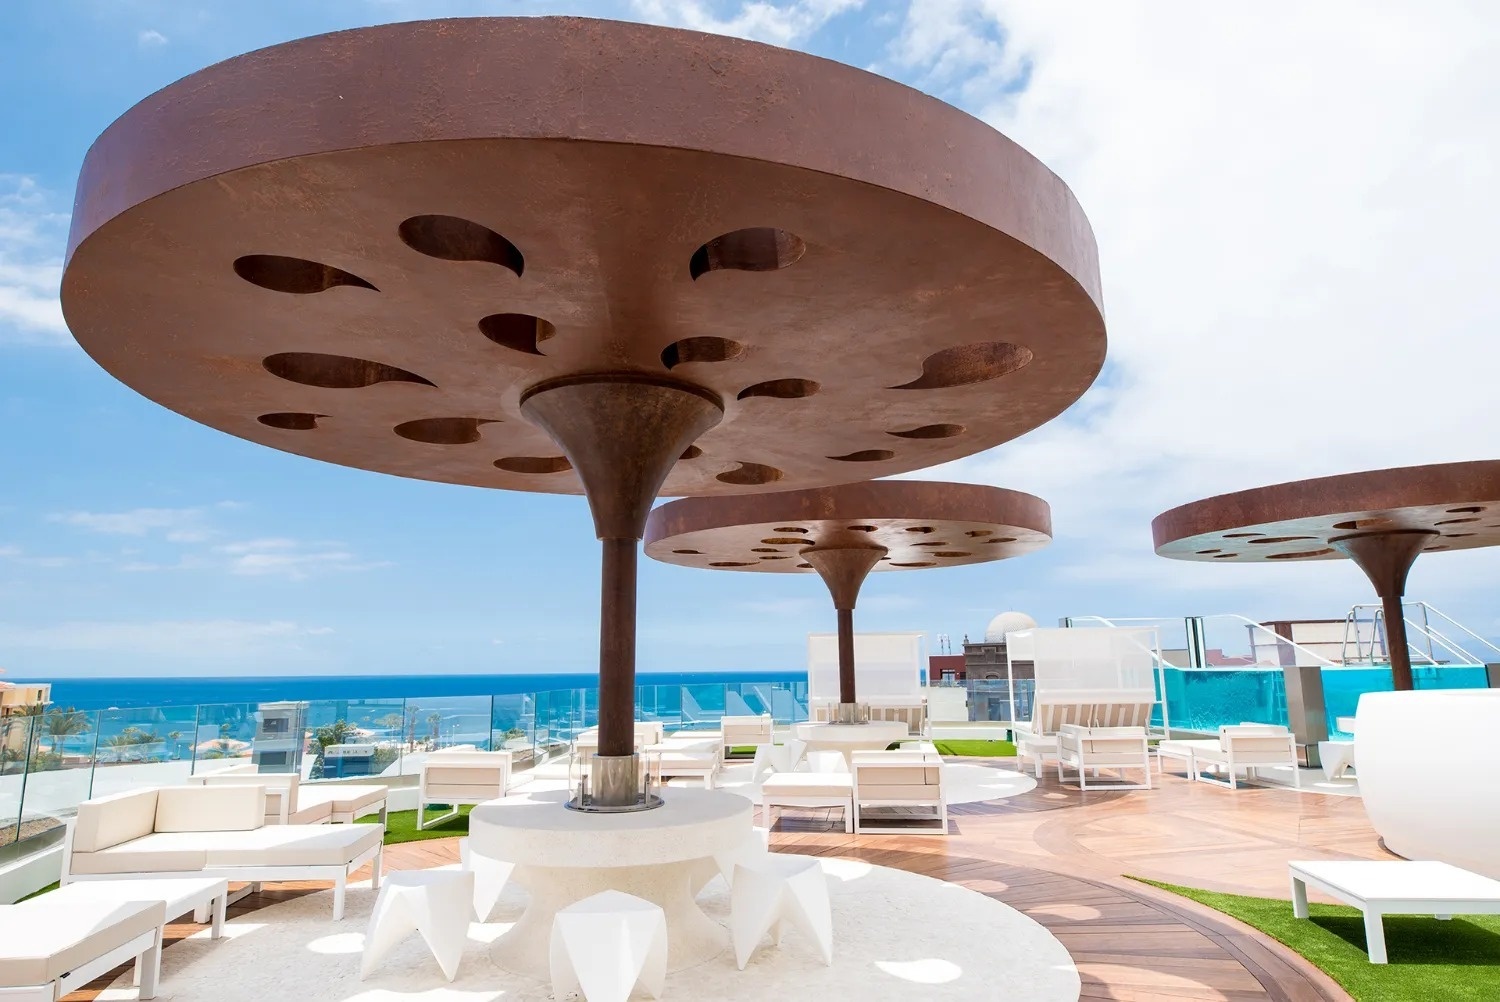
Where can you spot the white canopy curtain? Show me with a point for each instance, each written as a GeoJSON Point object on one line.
{"type": "Point", "coordinates": [887, 667]}
{"type": "Point", "coordinates": [1084, 660]}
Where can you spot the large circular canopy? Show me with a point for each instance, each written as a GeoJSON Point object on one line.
{"type": "Point", "coordinates": [365, 247]}
{"type": "Point", "coordinates": [1458, 502]}
{"type": "Point", "coordinates": [920, 524]}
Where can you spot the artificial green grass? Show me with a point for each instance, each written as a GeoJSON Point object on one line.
{"type": "Point", "coordinates": [1430, 960]}
{"type": "Point", "coordinates": [39, 891]}
{"type": "Point", "coordinates": [401, 826]}
{"type": "Point", "coordinates": [968, 748]}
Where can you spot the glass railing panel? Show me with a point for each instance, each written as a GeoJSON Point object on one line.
{"type": "Point", "coordinates": [15, 751]}
{"type": "Point", "coordinates": [513, 727]}
{"type": "Point", "coordinates": [990, 699]}
{"type": "Point", "coordinates": [702, 705]}
{"type": "Point", "coordinates": [1203, 701]}
{"type": "Point", "coordinates": [1342, 687]}
{"type": "Point", "coordinates": [223, 735]}
{"type": "Point", "coordinates": [662, 703]}
{"type": "Point", "coordinates": [146, 746]}
{"type": "Point", "coordinates": [61, 766]}
{"type": "Point", "coordinates": [352, 738]}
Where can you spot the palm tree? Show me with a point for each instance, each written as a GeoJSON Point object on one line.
{"type": "Point", "coordinates": [434, 720]}
{"type": "Point", "coordinates": [176, 738]}
{"type": "Point", "coordinates": [60, 724]}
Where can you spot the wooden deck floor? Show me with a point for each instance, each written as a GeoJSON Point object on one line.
{"type": "Point", "coordinates": [1062, 857]}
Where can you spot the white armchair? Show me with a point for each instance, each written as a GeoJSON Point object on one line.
{"type": "Point", "coordinates": [739, 732]}
{"type": "Point", "coordinates": [1247, 747]}
{"type": "Point", "coordinates": [911, 779]}
{"type": "Point", "coordinates": [1089, 749]}
{"type": "Point", "coordinates": [460, 777]}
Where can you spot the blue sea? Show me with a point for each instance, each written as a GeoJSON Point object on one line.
{"type": "Point", "coordinates": [125, 693]}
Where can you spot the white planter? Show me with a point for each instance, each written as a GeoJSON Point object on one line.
{"type": "Point", "coordinates": [1429, 773]}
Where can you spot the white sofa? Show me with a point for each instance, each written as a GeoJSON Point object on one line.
{"type": "Point", "coordinates": [907, 778]}
{"type": "Point", "coordinates": [289, 801]}
{"type": "Point", "coordinates": [1051, 711]}
{"type": "Point", "coordinates": [1427, 766]}
{"type": "Point", "coordinates": [460, 777]}
{"type": "Point", "coordinates": [211, 831]}
{"type": "Point", "coordinates": [686, 756]}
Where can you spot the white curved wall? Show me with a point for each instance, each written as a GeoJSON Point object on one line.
{"type": "Point", "coordinates": [1429, 773]}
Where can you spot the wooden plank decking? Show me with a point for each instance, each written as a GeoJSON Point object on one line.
{"type": "Point", "coordinates": [1062, 857]}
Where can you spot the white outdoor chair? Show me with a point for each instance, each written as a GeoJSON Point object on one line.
{"type": "Point", "coordinates": [1248, 747]}
{"type": "Point", "coordinates": [770, 892]}
{"type": "Point", "coordinates": [435, 903]}
{"type": "Point", "coordinates": [828, 784]}
{"type": "Point", "coordinates": [460, 777]}
{"type": "Point", "coordinates": [900, 779]}
{"type": "Point", "coordinates": [738, 732]}
{"type": "Point", "coordinates": [51, 947]}
{"type": "Point", "coordinates": [1093, 748]}
{"type": "Point", "coordinates": [605, 945]}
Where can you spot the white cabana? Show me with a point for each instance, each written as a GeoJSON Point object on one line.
{"type": "Point", "coordinates": [1102, 665]}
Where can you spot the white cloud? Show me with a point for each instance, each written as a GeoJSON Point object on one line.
{"type": "Point", "coordinates": [209, 639]}
{"type": "Point", "coordinates": [780, 23]}
{"type": "Point", "coordinates": [290, 558]}
{"type": "Point", "coordinates": [1295, 218]}
{"type": "Point", "coordinates": [178, 525]}
{"type": "Point", "coordinates": [150, 38]}
{"type": "Point", "coordinates": [31, 242]}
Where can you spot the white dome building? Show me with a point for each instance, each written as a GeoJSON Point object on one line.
{"type": "Point", "coordinates": [1007, 622]}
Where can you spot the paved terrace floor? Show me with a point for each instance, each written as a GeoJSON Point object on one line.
{"type": "Point", "coordinates": [1061, 857]}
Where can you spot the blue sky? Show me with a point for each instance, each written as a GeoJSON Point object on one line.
{"type": "Point", "coordinates": [133, 541]}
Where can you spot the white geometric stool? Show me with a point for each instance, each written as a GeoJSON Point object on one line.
{"type": "Point", "coordinates": [605, 945]}
{"type": "Point", "coordinates": [775, 890]}
{"type": "Point", "coordinates": [776, 758]}
{"type": "Point", "coordinates": [435, 903]}
{"type": "Point", "coordinates": [490, 875]}
{"type": "Point", "coordinates": [752, 850]}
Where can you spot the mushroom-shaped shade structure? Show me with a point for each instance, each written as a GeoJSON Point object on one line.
{"type": "Point", "coordinates": [1380, 519]}
{"type": "Point", "coordinates": [844, 533]}
{"type": "Point", "coordinates": [568, 255]}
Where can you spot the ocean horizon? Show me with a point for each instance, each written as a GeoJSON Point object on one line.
{"type": "Point", "coordinates": [126, 692]}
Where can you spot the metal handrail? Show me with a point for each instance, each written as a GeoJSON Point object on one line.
{"type": "Point", "coordinates": [1423, 630]}
{"type": "Point", "coordinates": [1432, 609]}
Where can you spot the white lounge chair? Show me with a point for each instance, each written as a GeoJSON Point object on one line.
{"type": "Point", "coordinates": [1092, 748]}
{"type": "Point", "coordinates": [685, 757]}
{"type": "Point", "coordinates": [211, 831]}
{"type": "Point", "coordinates": [1243, 747]}
{"type": "Point", "coordinates": [53, 945]}
{"type": "Point", "coordinates": [1050, 712]}
{"type": "Point", "coordinates": [911, 779]}
{"type": "Point", "coordinates": [827, 784]}
{"type": "Point", "coordinates": [460, 777]}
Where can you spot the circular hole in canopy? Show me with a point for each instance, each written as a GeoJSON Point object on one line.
{"type": "Point", "coordinates": [700, 349]}
{"type": "Point", "coordinates": [747, 474]}
{"type": "Point", "coordinates": [759, 248]}
{"type": "Point", "coordinates": [865, 456]}
{"type": "Point", "coordinates": [916, 564]}
{"type": "Point", "coordinates": [1468, 510]}
{"type": "Point", "coordinates": [1225, 556]}
{"type": "Point", "coordinates": [1279, 539]}
{"type": "Point", "coordinates": [930, 431]}
{"type": "Point", "coordinates": [336, 372]}
{"type": "Point", "coordinates": [979, 533]}
{"type": "Point", "coordinates": [930, 544]}
{"type": "Point", "coordinates": [294, 275]}
{"type": "Point", "coordinates": [451, 238]}
{"type": "Point", "coordinates": [291, 420]}
{"type": "Point", "coordinates": [534, 464]}
{"type": "Point", "coordinates": [687, 552]}
{"type": "Point", "coordinates": [442, 431]}
{"type": "Point", "coordinates": [780, 389]}
{"type": "Point", "coordinates": [1242, 535]}
{"type": "Point", "coordinates": [952, 553]}
{"type": "Point", "coordinates": [764, 549]}
{"type": "Point", "coordinates": [1297, 556]}
{"type": "Point", "coordinates": [860, 528]}
{"type": "Point", "coordinates": [1457, 521]}
{"type": "Point", "coordinates": [1204, 553]}
{"type": "Point", "coordinates": [1001, 539]}
{"type": "Point", "coordinates": [782, 541]}
{"type": "Point", "coordinates": [691, 452]}
{"type": "Point", "coordinates": [789, 528]}
{"type": "Point", "coordinates": [920, 528]}
{"type": "Point", "coordinates": [731, 563]}
{"type": "Point", "coordinates": [969, 363]}
{"type": "Point", "coordinates": [517, 331]}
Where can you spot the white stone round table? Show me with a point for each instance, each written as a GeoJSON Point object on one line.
{"type": "Point", "coordinates": [564, 856]}
{"type": "Point", "coordinates": [876, 735]}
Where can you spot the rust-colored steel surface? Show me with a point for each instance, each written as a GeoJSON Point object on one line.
{"type": "Point", "coordinates": [920, 524]}
{"type": "Point", "coordinates": [1381, 519]}
{"type": "Point", "coordinates": [368, 247]}
{"type": "Point", "coordinates": [1458, 502]}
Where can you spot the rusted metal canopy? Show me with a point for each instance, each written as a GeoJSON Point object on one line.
{"type": "Point", "coordinates": [1459, 503]}
{"type": "Point", "coordinates": [920, 524]}
{"type": "Point", "coordinates": [366, 247]}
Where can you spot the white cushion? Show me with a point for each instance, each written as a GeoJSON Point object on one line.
{"type": "Point", "coordinates": [41, 940]}
{"type": "Point", "coordinates": [107, 821]}
{"type": "Point", "coordinates": [807, 784]}
{"type": "Point", "coordinates": [294, 845]}
{"type": "Point", "coordinates": [210, 808]}
{"type": "Point", "coordinates": [166, 852]}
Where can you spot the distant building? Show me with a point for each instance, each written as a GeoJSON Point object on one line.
{"type": "Point", "coordinates": [21, 698]}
